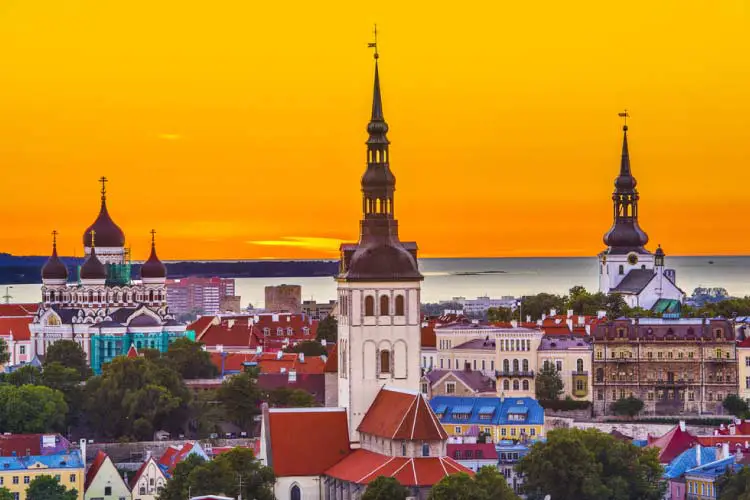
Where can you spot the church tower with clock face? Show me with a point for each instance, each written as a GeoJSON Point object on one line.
{"type": "Point", "coordinates": [626, 266]}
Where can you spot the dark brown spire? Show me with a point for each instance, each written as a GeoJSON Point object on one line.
{"type": "Point", "coordinates": [54, 269]}
{"type": "Point", "coordinates": [153, 267]}
{"type": "Point", "coordinates": [625, 235]}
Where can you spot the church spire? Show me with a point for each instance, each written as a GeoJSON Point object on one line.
{"type": "Point", "coordinates": [625, 235]}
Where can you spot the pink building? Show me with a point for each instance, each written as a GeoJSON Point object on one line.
{"type": "Point", "coordinates": [202, 295]}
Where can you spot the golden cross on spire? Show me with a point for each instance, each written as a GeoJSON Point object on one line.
{"type": "Point", "coordinates": [54, 237]}
{"type": "Point", "coordinates": [104, 181]}
{"type": "Point", "coordinates": [153, 236]}
{"type": "Point", "coordinates": [93, 234]}
{"type": "Point", "coordinates": [374, 43]}
{"type": "Point", "coordinates": [624, 115]}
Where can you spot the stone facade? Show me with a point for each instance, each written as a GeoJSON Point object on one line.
{"type": "Point", "coordinates": [673, 366]}
{"type": "Point", "coordinates": [284, 298]}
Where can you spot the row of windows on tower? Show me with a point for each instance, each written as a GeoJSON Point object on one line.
{"type": "Point", "coordinates": [377, 156]}
{"type": "Point", "coordinates": [378, 205]}
{"type": "Point", "coordinates": [384, 309]}
{"type": "Point", "coordinates": [92, 297]}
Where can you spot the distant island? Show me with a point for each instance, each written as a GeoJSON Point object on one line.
{"type": "Point", "coordinates": [27, 269]}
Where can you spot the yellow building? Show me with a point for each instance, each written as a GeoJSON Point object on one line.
{"type": "Point", "coordinates": [571, 357]}
{"type": "Point", "coordinates": [17, 472]}
{"type": "Point", "coordinates": [743, 368]}
{"type": "Point", "coordinates": [500, 418]}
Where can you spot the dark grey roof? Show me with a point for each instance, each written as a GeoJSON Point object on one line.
{"type": "Point", "coordinates": [144, 320]}
{"type": "Point", "coordinates": [121, 314]}
{"type": "Point", "coordinates": [478, 344]}
{"type": "Point", "coordinates": [635, 281]}
{"type": "Point", "coordinates": [66, 314]}
{"type": "Point", "coordinates": [108, 324]}
{"type": "Point", "coordinates": [475, 380]}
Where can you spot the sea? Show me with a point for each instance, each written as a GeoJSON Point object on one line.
{"type": "Point", "coordinates": [446, 278]}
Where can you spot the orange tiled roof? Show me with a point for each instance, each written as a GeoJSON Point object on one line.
{"type": "Point", "coordinates": [18, 326]}
{"type": "Point", "coordinates": [269, 362]}
{"type": "Point", "coordinates": [18, 309]}
{"type": "Point", "coordinates": [307, 441]}
{"type": "Point", "coordinates": [429, 339]}
{"type": "Point", "coordinates": [672, 443]}
{"type": "Point", "coordinates": [332, 363]}
{"type": "Point", "coordinates": [399, 414]}
{"type": "Point", "coordinates": [200, 325]}
{"type": "Point", "coordinates": [362, 467]}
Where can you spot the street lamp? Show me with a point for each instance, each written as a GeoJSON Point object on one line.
{"type": "Point", "coordinates": [7, 296]}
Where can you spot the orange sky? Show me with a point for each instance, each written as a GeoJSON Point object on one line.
{"type": "Point", "coordinates": [232, 123]}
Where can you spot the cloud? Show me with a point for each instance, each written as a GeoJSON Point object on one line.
{"type": "Point", "coordinates": [170, 137]}
{"type": "Point", "coordinates": [309, 242]}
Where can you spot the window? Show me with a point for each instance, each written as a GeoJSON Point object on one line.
{"type": "Point", "coordinates": [649, 355]}
{"type": "Point", "coordinates": [598, 354]}
{"type": "Point", "coordinates": [15, 479]}
{"type": "Point", "coordinates": [425, 449]}
{"type": "Point", "coordinates": [457, 430]}
{"type": "Point", "coordinates": [579, 365]}
{"type": "Point", "coordinates": [515, 385]}
{"type": "Point", "coordinates": [669, 355]}
{"type": "Point", "coordinates": [369, 305]}
{"type": "Point", "coordinates": [622, 269]}
{"type": "Point", "coordinates": [599, 395]}
{"type": "Point", "coordinates": [525, 365]}
{"type": "Point", "coordinates": [142, 490]}
{"type": "Point", "coordinates": [690, 355]}
{"type": "Point", "coordinates": [515, 365]}
{"type": "Point", "coordinates": [16, 496]}
{"type": "Point", "coordinates": [295, 493]}
{"type": "Point", "coordinates": [403, 448]}
{"type": "Point", "coordinates": [107, 491]}
{"type": "Point", "coordinates": [579, 385]}
{"type": "Point", "coordinates": [600, 375]}
{"type": "Point", "coordinates": [441, 364]}
{"type": "Point", "coordinates": [450, 387]}
{"type": "Point", "coordinates": [506, 365]}
{"type": "Point", "coordinates": [22, 349]}
{"type": "Point", "coordinates": [26, 479]}
{"type": "Point", "coordinates": [502, 431]}
{"type": "Point", "coordinates": [558, 365]}
{"type": "Point", "coordinates": [483, 367]}
{"type": "Point", "coordinates": [423, 387]}
{"type": "Point", "coordinates": [384, 309]}
{"type": "Point", "coordinates": [72, 478]}
{"type": "Point", "coordinates": [512, 431]}
{"type": "Point", "coordinates": [506, 384]}
{"type": "Point", "coordinates": [525, 385]}
{"type": "Point", "coordinates": [279, 332]}
{"type": "Point", "coordinates": [399, 305]}
{"type": "Point", "coordinates": [385, 361]}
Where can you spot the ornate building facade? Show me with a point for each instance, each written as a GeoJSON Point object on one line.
{"type": "Point", "coordinates": [99, 306]}
{"type": "Point", "coordinates": [674, 366]}
{"type": "Point", "coordinates": [626, 267]}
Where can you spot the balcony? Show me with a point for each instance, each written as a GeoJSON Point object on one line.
{"type": "Point", "coordinates": [515, 373]}
{"type": "Point", "coordinates": [720, 360]}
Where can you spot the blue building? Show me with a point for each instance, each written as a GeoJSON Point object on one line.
{"type": "Point", "coordinates": [517, 419]}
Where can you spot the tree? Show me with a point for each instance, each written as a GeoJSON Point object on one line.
{"type": "Point", "coordinates": [734, 486]}
{"type": "Point", "coordinates": [31, 409]}
{"type": "Point", "coordinates": [25, 375]}
{"type": "Point", "coordinates": [499, 314]}
{"type": "Point", "coordinates": [549, 385]}
{"type": "Point", "coordinates": [4, 354]}
{"type": "Point", "coordinates": [735, 405]}
{"type": "Point", "coordinates": [241, 398]}
{"type": "Point", "coordinates": [630, 406]}
{"type": "Point", "coordinates": [69, 354]}
{"type": "Point", "coordinates": [536, 305]}
{"type": "Point", "coordinates": [460, 486]}
{"type": "Point", "coordinates": [190, 360]}
{"type": "Point", "coordinates": [576, 464]}
{"type": "Point", "coordinates": [615, 306]}
{"type": "Point", "coordinates": [493, 485]}
{"type": "Point", "coordinates": [328, 329]}
{"type": "Point", "coordinates": [68, 382]}
{"type": "Point", "coordinates": [177, 486]}
{"type": "Point", "coordinates": [5, 494]}
{"type": "Point", "coordinates": [385, 488]}
{"type": "Point", "coordinates": [309, 348]}
{"type": "Point", "coordinates": [49, 488]}
{"type": "Point", "coordinates": [134, 397]}
{"type": "Point", "coordinates": [207, 413]}
{"type": "Point", "coordinates": [285, 397]}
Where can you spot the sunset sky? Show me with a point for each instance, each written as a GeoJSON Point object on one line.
{"type": "Point", "coordinates": [236, 128]}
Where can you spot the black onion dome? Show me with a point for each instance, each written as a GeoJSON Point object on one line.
{"type": "Point", "coordinates": [378, 176]}
{"type": "Point", "coordinates": [54, 268]}
{"type": "Point", "coordinates": [93, 269]}
{"type": "Point", "coordinates": [385, 261]}
{"type": "Point", "coordinates": [153, 267]}
{"type": "Point", "coordinates": [107, 233]}
{"type": "Point", "coordinates": [627, 235]}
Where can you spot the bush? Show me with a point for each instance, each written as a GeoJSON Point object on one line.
{"type": "Point", "coordinates": [630, 406]}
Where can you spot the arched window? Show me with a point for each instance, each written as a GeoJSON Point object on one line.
{"type": "Point", "coordinates": [369, 305]}
{"type": "Point", "coordinates": [506, 365]}
{"type": "Point", "coordinates": [384, 305]}
{"type": "Point", "coordinates": [515, 385]}
{"type": "Point", "coordinates": [385, 361]}
{"type": "Point", "coordinates": [579, 365]}
{"type": "Point", "coordinates": [515, 365]}
{"type": "Point", "coordinates": [399, 305]}
{"type": "Point", "coordinates": [295, 493]}
{"type": "Point", "coordinates": [525, 365]}
{"type": "Point", "coordinates": [525, 385]}
{"type": "Point", "coordinates": [425, 449]}
{"type": "Point", "coordinates": [506, 385]}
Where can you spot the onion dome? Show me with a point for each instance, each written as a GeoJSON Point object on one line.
{"type": "Point", "coordinates": [93, 269]}
{"type": "Point", "coordinates": [153, 268]}
{"type": "Point", "coordinates": [108, 234]}
{"type": "Point", "coordinates": [54, 269]}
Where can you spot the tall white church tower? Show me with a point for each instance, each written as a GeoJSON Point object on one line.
{"type": "Point", "coordinates": [378, 289]}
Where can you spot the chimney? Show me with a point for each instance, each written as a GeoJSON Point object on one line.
{"type": "Point", "coordinates": [528, 318]}
{"type": "Point", "coordinates": [292, 376]}
{"type": "Point", "coordinates": [544, 316]}
{"type": "Point", "coordinates": [514, 324]}
{"type": "Point", "coordinates": [601, 314]}
{"type": "Point", "coordinates": [148, 455]}
{"type": "Point", "coordinates": [570, 312]}
{"type": "Point", "coordinates": [553, 312]}
{"type": "Point", "coordinates": [682, 425]}
{"type": "Point", "coordinates": [82, 444]}
{"type": "Point", "coordinates": [219, 348]}
{"type": "Point", "coordinates": [279, 354]}
{"type": "Point", "coordinates": [323, 342]}
{"type": "Point", "coordinates": [302, 357]}
{"type": "Point", "coordinates": [697, 454]}
{"type": "Point", "coordinates": [724, 450]}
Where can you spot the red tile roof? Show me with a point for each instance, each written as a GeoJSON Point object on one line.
{"type": "Point", "coordinates": [200, 325]}
{"type": "Point", "coordinates": [362, 467]}
{"type": "Point", "coordinates": [270, 362]}
{"type": "Point", "coordinates": [397, 414]}
{"type": "Point", "coordinates": [672, 443]}
{"type": "Point", "coordinates": [332, 363]}
{"type": "Point", "coordinates": [18, 327]}
{"type": "Point", "coordinates": [18, 309]}
{"type": "Point", "coordinates": [99, 459]}
{"type": "Point", "coordinates": [174, 455]}
{"type": "Point", "coordinates": [20, 443]}
{"type": "Point", "coordinates": [254, 445]}
{"type": "Point", "coordinates": [429, 339]}
{"type": "Point", "coordinates": [132, 352]}
{"type": "Point", "coordinates": [307, 441]}
{"type": "Point", "coordinates": [232, 335]}
{"type": "Point", "coordinates": [488, 451]}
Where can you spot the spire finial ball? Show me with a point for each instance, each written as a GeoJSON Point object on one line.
{"type": "Point", "coordinates": [624, 128]}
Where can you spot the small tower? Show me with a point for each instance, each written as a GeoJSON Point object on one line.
{"type": "Point", "coordinates": [54, 276]}
{"type": "Point", "coordinates": [378, 288]}
{"type": "Point", "coordinates": [154, 276]}
{"type": "Point", "coordinates": [110, 238]}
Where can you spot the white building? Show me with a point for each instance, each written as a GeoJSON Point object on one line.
{"type": "Point", "coordinates": [626, 267]}
{"type": "Point", "coordinates": [103, 481]}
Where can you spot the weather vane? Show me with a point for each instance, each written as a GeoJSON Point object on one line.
{"type": "Point", "coordinates": [624, 115]}
{"type": "Point", "coordinates": [374, 44]}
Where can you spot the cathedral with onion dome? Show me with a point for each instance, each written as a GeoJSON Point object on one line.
{"type": "Point", "coordinates": [626, 267]}
{"type": "Point", "coordinates": [99, 306]}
